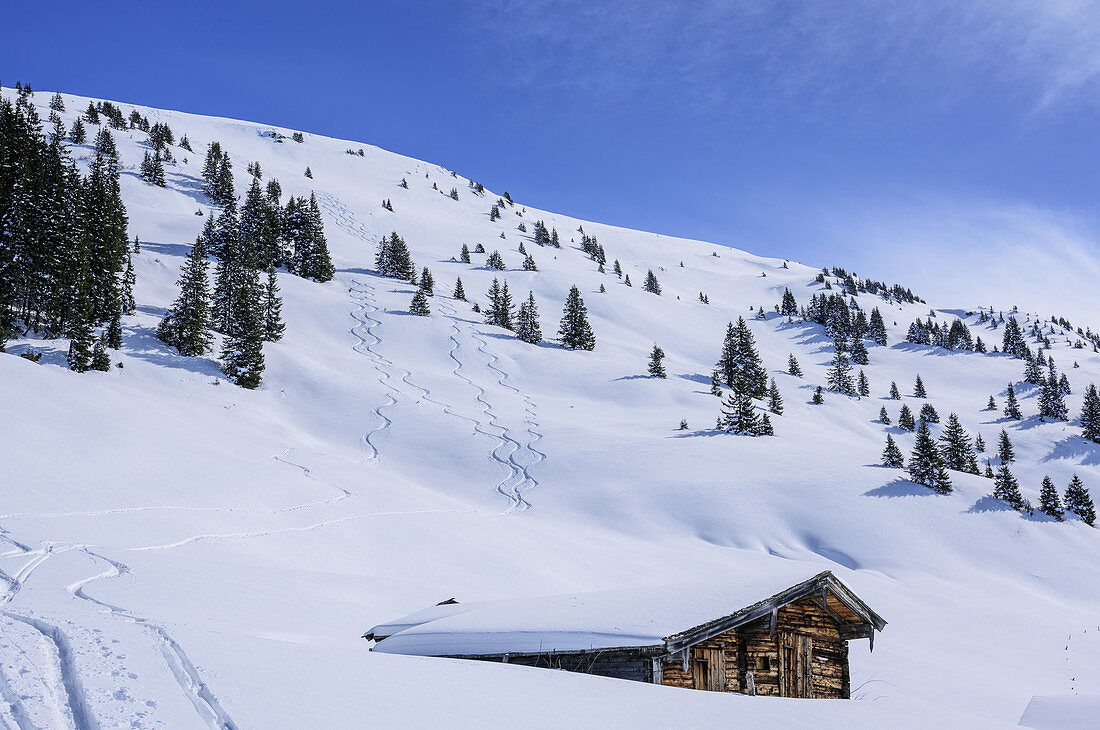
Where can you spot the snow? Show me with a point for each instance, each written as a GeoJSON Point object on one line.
{"type": "Point", "coordinates": [1064, 712]}
{"type": "Point", "coordinates": [576, 622]}
{"type": "Point", "coordinates": [182, 553]}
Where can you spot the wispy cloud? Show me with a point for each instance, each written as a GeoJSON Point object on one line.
{"type": "Point", "coordinates": [764, 54]}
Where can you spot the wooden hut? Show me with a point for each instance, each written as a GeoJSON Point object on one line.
{"type": "Point", "coordinates": [768, 636]}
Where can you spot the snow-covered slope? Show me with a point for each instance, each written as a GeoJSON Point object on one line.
{"type": "Point", "coordinates": [184, 553]}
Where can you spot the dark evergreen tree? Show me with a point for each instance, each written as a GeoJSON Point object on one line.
{"type": "Point", "coordinates": [883, 416]}
{"type": "Point", "coordinates": [715, 384]}
{"type": "Point", "coordinates": [817, 398]}
{"type": "Point", "coordinates": [1052, 402]}
{"type": "Point", "coordinates": [1049, 502]}
{"type": "Point", "coordinates": [529, 264]}
{"type": "Point", "coordinates": [906, 421]}
{"type": "Point", "coordinates": [464, 254]}
{"type": "Point", "coordinates": [242, 350]}
{"type": "Point", "coordinates": [627, 280]}
{"type": "Point", "coordinates": [788, 307]}
{"type": "Point", "coordinates": [500, 311]}
{"type": "Point", "coordinates": [928, 413]}
{"type": "Point", "coordinates": [739, 363]}
{"type": "Point", "coordinates": [273, 324]}
{"type": "Point", "coordinates": [958, 454]}
{"type": "Point", "coordinates": [527, 321]}
{"type": "Point", "coordinates": [859, 352]}
{"type": "Point", "coordinates": [792, 366]}
{"type": "Point", "coordinates": [1012, 406]}
{"type": "Point", "coordinates": [863, 387]}
{"type": "Point", "coordinates": [764, 427]}
{"type": "Point", "coordinates": [419, 305]}
{"type": "Point", "coordinates": [427, 283]}
{"type": "Point", "coordinates": [979, 444]}
{"type": "Point", "coordinates": [775, 399]}
{"type": "Point", "coordinates": [1079, 501]}
{"type": "Point", "coordinates": [459, 292]}
{"type": "Point", "coordinates": [392, 259]}
{"type": "Point", "coordinates": [495, 261]}
{"type": "Point", "coordinates": [656, 367]}
{"type": "Point", "coordinates": [185, 325]}
{"type": "Point", "coordinates": [877, 328]}
{"type": "Point", "coordinates": [1005, 452]}
{"type": "Point", "coordinates": [918, 389]}
{"type": "Point", "coordinates": [891, 455]}
{"type": "Point", "coordinates": [894, 392]}
{"type": "Point", "coordinates": [1090, 415]}
{"type": "Point", "coordinates": [617, 269]}
{"type": "Point", "coordinates": [839, 376]}
{"type": "Point", "coordinates": [1006, 489]}
{"type": "Point", "coordinates": [926, 463]}
{"type": "Point", "coordinates": [739, 414]}
{"type": "Point", "coordinates": [574, 331]}
{"type": "Point", "coordinates": [991, 405]}
{"type": "Point", "coordinates": [77, 134]}
{"type": "Point", "coordinates": [651, 285]}
{"type": "Point", "coordinates": [100, 359]}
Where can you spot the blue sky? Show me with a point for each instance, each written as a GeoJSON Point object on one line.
{"type": "Point", "coordinates": [950, 146]}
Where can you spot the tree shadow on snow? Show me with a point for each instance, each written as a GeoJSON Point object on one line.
{"type": "Point", "coordinates": [1075, 448]}
{"type": "Point", "coordinates": [704, 432]}
{"type": "Point", "coordinates": [899, 488]}
{"type": "Point", "coordinates": [141, 343]}
{"type": "Point", "coordinates": [632, 377]}
{"type": "Point", "coordinates": [989, 503]}
{"type": "Point", "coordinates": [167, 249]}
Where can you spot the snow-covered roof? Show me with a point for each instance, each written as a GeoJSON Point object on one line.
{"type": "Point", "coordinates": [643, 617]}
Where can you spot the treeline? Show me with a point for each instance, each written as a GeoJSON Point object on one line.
{"type": "Point", "coordinates": [65, 267]}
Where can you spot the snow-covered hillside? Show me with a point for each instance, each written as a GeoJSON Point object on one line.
{"type": "Point", "coordinates": [181, 552]}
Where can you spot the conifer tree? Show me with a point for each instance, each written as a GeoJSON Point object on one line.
{"type": "Point", "coordinates": [877, 328]}
{"type": "Point", "coordinates": [906, 421]}
{"type": "Point", "coordinates": [184, 326]}
{"type": "Point", "coordinates": [739, 363]}
{"type": "Point", "coordinates": [459, 292]}
{"type": "Point", "coordinates": [958, 454]}
{"type": "Point", "coordinates": [839, 376]}
{"type": "Point", "coordinates": [891, 455]}
{"type": "Point", "coordinates": [991, 405]}
{"type": "Point", "coordinates": [464, 255]}
{"type": "Point", "coordinates": [979, 444]}
{"type": "Point", "coordinates": [309, 173]}
{"type": "Point", "coordinates": [817, 398]}
{"type": "Point", "coordinates": [926, 463]}
{"type": "Point", "coordinates": [273, 324]}
{"type": "Point", "coordinates": [1005, 452]}
{"type": "Point", "coordinates": [1006, 489]}
{"type": "Point", "coordinates": [242, 351]}
{"type": "Point", "coordinates": [1012, 406]}
{"type": "Point", "coordinates": [617, 269]}
{"type": "Point", "coordinates": [500, 309]}
{"type": "Point", "coordinates": [427, 283]}
{"type": "Point", "coordinates": [1090, 414]}
{"type": "Point", "coordinates": [764, 426]}
{"type": "Point", "coordinates": [419, 305]}
{"type": "Point", "coordinates": [988, 470]}
{"type": "Point", "coordinates": [656, 368]}
{"type": "Point", "coordinates": [793, 367]}
{"type": "Point", "coordinates": [651, 285]}
{"type": "Point", "coordinates": [918, 389]}
{"type": "Point", "coordinates": [574, 330]}
{"type": "Point", "coordinates": [859, 352]}
{"type": "Point", "coordinates": [392, 259]}
{"type": "Point", "coordinates": [739, 414]}
{"type": "Point", "coordinates": [928, 414]}
{"type": "Point", "coordinates": [80, 345]}
{"type": "Point", "coordinates": [715, 384]}
{"type": "Point", "coordinates": [894, 392]}
{"type": "Point", "coordinates": [862, 385]}
{"type": "Point", "coordinates": [100, 359]}
{"type": "Point", "coordinates": [495, 261]}
{"type": "Point", "coordinates": [527, 322]}
{"type": "Point", "coordinates": [1049, 502]}
{"type": "Point", "coordinates": [883, 416]}
{"type": "Point", "coordinates": [1052, 403]}
{"type": "Point", "coordinates": [775, 399]}
{"type": "Point", "coordinates": [77, 134]}
{"type": "Point", "coordinates": [627, 281]}
{"type": "Point", "coordinates": [1079, 501]}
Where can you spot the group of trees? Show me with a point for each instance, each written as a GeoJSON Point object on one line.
{"type": "Point", "coordinates": [65, 268]}
{"type": "Point", "coordinates": [955, 337]}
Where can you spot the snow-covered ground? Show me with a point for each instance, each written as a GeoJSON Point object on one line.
{"type": "Point", "coordinates": [183, 553]}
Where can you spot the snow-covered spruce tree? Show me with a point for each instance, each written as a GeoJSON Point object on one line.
{"type": "Point", "coordinates": [958, 453]}
{"type": "Point", "coordinates": [272, 308]}
{"type": "Point", "coordinates": [1049, 502]}
{"type": "Point", "coordinates": [656, 367]}
{"type": "Point", "coordinates": [817, 398]}
{"type": "Point", "coordinates": [242, 350]}
{"type": "Point", "coordinates": [317, 265]}
{"type": "Point", "coordinates": [1005, 452]}
{"type": "Point", "coordinates": [113, 336]}
{"type": "Point", "coordinates": [495, 261]}
{"type": "Point", "coordinates": [891, 455]}
{"type": "Point", "coordinates": [1006, 489]}
{"type": "Point", "coordinates": [715, 384]}
{"type": "Point", "coordinates": [988, 470]}
{"type": "Point", "coordinates": [788, 307]}
{"type": "Point", "coordinates": [1012, 406]}
{"type": "Point", "coordinates": [839, 376]}
{"type": "Point", "coordinates": [906, 422]}
{"type": "Point", "coordinates": [500, 310]}
{"type": "Point", "coordinates": [185, 325]}
{"type": "Point", "coordinates": [1090, 414]}
{"type": "Point", "coordinates": [793, 367]}
{"type": "Point", "coordinates": [764, 427]}
{"type": "Point", "coordinates": [991, 405]}
{"type": "Point", "coordinates": [1063, 384]}
{"type": "Point", "coordinates": [979, 444]}
{"type": "Point", "coordinates": [651, 285]}
{"type": "Point", "coordinates": [464, 254]}
{"type": "Point", "coordinates": [926, 463]}
{"type": "Point", "coordinates": [883, 416]}
{"type": "Point", "coordinates": [928, 414]}
{"type": "Point", "coordinates": [739, 414]}
{"type": "Point", "coordinates": [918, 389]}
{"type": "Point", "coordinates": [1052, 401]}
{"type": "Point", "coordinates": [81, 343]}
{"type": "Point", "coordinates": [574, 330]}
{"type": "Point", "coordinates": [419, 304]}
{"type": "Point", "coordinates": [1013, 339]}
{"type": "Point", "coordinates": [775, 399]}
{"type": "Point", "coordinates": [863, 386]}
{"type": "Point", "coordinates": [392, 259]}
{"type": "Point", "coordinates": [529, 264]}
{"type": "Point", "coordinates": [459, 292]}
{"type": "Point", "coordinates": [894, 392]}
{"type": "Point", "coordinates": [877, 328]}
{"type": "Point", "coordinates": [627, 280]}
{"type": "Point", "coordinates": [859, 352]}
{"type": "Point", "coordinates": [1033, 370]}
{"type": "Point", "coordinates": [101, 361]}
{"type": "Point", "coordinates": [527, 322]}
{"type": "Point", "coordinates": [617, 269]}
{"type": "Point", "coordinates": [739, 363]}
{"type": "Point", "coordinates": [1079, 501]}
{"type": "Point", "coordinates": [427, 283]}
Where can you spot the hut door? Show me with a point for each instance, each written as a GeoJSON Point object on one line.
{"type": "Point", "coordinates": [708, 669]}
{"type": "Point", "coordinates": [795, 676]}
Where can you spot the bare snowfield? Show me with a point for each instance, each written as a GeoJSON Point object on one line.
{"type": "Point", "coordinates": [180, 552]}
